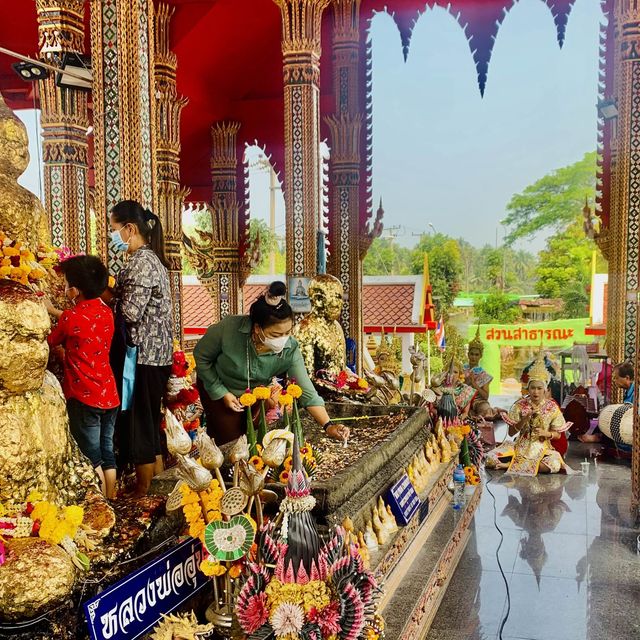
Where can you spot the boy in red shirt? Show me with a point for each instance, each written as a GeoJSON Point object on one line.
{"type": "Point", "coordinates": [85, 332]}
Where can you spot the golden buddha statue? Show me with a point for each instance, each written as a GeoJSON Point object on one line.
{"type": "Point", "coordinates": [37, 451]}
{"type": "Point", "coordinates": [22, 215]}
{"type": "Point", "coordinates": [320, 335]}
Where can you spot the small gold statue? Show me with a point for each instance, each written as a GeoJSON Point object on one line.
{"type": "Point", "coordinates": [320, 335]}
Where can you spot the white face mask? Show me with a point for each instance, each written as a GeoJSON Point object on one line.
{"type": "Point", "coordinates": [276, 345]}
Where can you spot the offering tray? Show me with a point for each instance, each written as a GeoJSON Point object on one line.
{"type": "Point", "coordinates": [350, 479]}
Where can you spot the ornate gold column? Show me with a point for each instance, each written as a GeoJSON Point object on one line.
{"type": "Point", "coordinates": [301, 31]}
{"type": "Point", "coordinates": [624, 233]}
{"type": "Point", "coordinates": [217, 255]}
{"type": "Point", "coordinates": [64, 118]}
{"type": "Point", "coordinates": [122, 42]}
{"type": "Point", "coordinates": [349, 239]}
{"type": "Point", "coordinates": [344, 187]}
{"type": "Point", "coordinates": [171, 195]}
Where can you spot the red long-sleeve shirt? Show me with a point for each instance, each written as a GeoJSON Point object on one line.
{"type": "Point", "coordinates": [86, 332]}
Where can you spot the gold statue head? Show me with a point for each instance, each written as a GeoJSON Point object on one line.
{"type": "Point", "coordinates": [14, 143]}
{"type": "Point", "coordinates": [326, 295]}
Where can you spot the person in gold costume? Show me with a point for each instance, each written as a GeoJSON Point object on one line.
{"type": "Point", "coordinates": [474, 375]}
{"type": "Point", "coordinates": [320, 335]}
{"type": "Point", "coordinates": [538, 422]}
{"type": "Point", "coordinates": [23, 216]}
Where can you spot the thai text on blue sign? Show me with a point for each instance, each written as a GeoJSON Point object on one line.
{"type": "Point", "coordinates": [403, 500]}
{"type": "Point", "coordinates": [132, 606]}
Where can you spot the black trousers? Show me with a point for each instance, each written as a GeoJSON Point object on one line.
{"type": "Point", "coordinates": [139, 428]}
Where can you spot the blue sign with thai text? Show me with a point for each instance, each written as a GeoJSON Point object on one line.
{"type": "Point", "coordinates": [133, 606]}
{"type": "Point", "coordinates": [403, 500]}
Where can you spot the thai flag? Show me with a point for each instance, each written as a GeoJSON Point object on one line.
{"type": "Point", "coordinates": [440, 339]}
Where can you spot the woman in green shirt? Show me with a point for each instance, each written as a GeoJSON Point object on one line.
{"type": "Point", "coordinates": [242, 352]}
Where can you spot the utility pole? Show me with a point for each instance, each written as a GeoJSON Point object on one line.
{"type": "Point", "coordinates": [273, 185]}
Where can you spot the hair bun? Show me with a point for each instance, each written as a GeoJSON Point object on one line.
{"type": "Point", "coordinates": [275, 294]}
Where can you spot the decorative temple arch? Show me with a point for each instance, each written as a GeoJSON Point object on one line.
{"type": "Point", "coordinates": [270, 75]}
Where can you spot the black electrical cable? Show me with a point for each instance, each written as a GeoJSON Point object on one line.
{"type": "Point", "coordinates": [504, 577]}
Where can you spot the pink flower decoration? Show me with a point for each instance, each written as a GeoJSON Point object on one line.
{"type": "Point", "coordinates": [329, 619]}
{"type": "Point", "coordinates": [254, 614]}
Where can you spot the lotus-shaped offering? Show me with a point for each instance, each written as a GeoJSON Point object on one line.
{"type": "Point", "coordinates": [251, 480]}
{"type": "Point", "coordinates": [239, 450]}
{"type": "Point", "coordinates": [196, 476]}
{"type": "Point", "coordinates": [210, 455]}
{"type": "Point", "coordinates": [277, 445]}
{"type": "Point", "coordinates": [178, 440]}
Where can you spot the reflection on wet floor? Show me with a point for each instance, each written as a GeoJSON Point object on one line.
{"type": "Point", "coordinates": [569, 555]}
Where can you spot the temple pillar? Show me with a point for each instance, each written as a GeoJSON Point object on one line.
{"type": "Point", "coordinates": [624, 232]}
{"type": "Point", "coordinates": [349, 238]}
{"type": "Point", "coordinates": [624, 245]}
{"type": "Point", "coordinates": [124, 103]}
{"type": "Point", "coordinates": [301, 31]}
{"type": "Point", "coordinates": [65, 120]}
{"type": "Point", "coordinates": [345, 261]}
{"type": "Point", "coordinates": [217, 256]}
{"type": "Point", "coordinates": [171, 195]}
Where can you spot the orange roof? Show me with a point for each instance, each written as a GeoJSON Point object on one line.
{"type": "Point", "coordinates": [197, 306]}
{"type": "Point", "coordinates": [388, 302]}
{"type": "Point", "coordinates": [388, 305]}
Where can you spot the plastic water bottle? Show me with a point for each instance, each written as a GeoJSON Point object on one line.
{"type": "Point", "coordinates": [459, 482]}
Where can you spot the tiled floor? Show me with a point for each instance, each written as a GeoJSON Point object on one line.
{"type": "Point", "coordinates": [569, 555]}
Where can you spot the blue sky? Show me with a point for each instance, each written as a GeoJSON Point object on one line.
{"type": "Point", "coordinates": [446, 156]}
{"type": "Point", "coordinates": [443, 154]}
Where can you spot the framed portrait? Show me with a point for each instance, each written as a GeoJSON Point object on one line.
{"type": "Point", "coordinates": [299, 294]}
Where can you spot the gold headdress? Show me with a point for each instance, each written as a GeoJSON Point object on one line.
{"type": "Point", "coordinates": [476, 343]}
{"type": "Point", "coordinates": [538, 371]}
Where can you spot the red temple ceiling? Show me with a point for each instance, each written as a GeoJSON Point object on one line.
{"type": "Point", "coordinates": [230, 64]}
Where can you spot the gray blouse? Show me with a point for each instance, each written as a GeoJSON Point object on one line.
{"type": "Point", "coordinates": [145, 301]}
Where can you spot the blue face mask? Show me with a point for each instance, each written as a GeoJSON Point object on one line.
{"type": "Point", "coordinates": [117, 242]}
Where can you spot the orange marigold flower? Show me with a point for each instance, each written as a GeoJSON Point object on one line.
{"type": "Point", "coordinates": [294, 390]}
{"type": "Point", "coordinates": [262, 393]}
{"type": "Point", "coordinates": [288, 463]}
{"type": "Point", "coordinates": [362, 383]}
{"type": "Point", "coordinates": [247, 399]}
{"type": "Point", "coordinates": [285, 400]}
{"type": "Point", "coordinates": [284, 477]}
{"type": "Point", "coordinates": [257, 462]}
{"type": "Point", "coordinates": [235, 570]}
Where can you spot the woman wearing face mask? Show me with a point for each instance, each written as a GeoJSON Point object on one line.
{"type": "Point", "coordinates": [242, 352]}
{"type": "Point", "coordinates": [143, 303]}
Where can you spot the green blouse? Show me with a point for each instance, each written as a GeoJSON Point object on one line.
{"type": "Point", "coordinates": [225, 353]}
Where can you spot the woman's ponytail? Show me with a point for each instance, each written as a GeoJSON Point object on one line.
{"type": "Point", "coordinates": [147, 222]}
{"type": "Point", "coordinates": [156, 237]}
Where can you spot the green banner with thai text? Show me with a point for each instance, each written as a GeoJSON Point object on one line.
{"type": "Point", "coordinates": [552, 334]}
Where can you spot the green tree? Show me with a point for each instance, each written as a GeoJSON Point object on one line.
{"type": "Point", "coordinates": [552, 202]}
{"type": "Point", "coordinates": [269, 242]}
{"type": "Point", "coordinates": [564, 269]}
{"type": "Point", "coordinates": [445, 267]}
{"type": "Point", "coordinates": [385, 257]}
{"type": "Point", "coordinates": [497, 307]}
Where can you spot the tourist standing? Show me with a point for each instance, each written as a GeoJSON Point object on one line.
{"type": "Point", "coordinates": [143, 305]}
{"type": "Point", "coordinates": [85, 332]}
